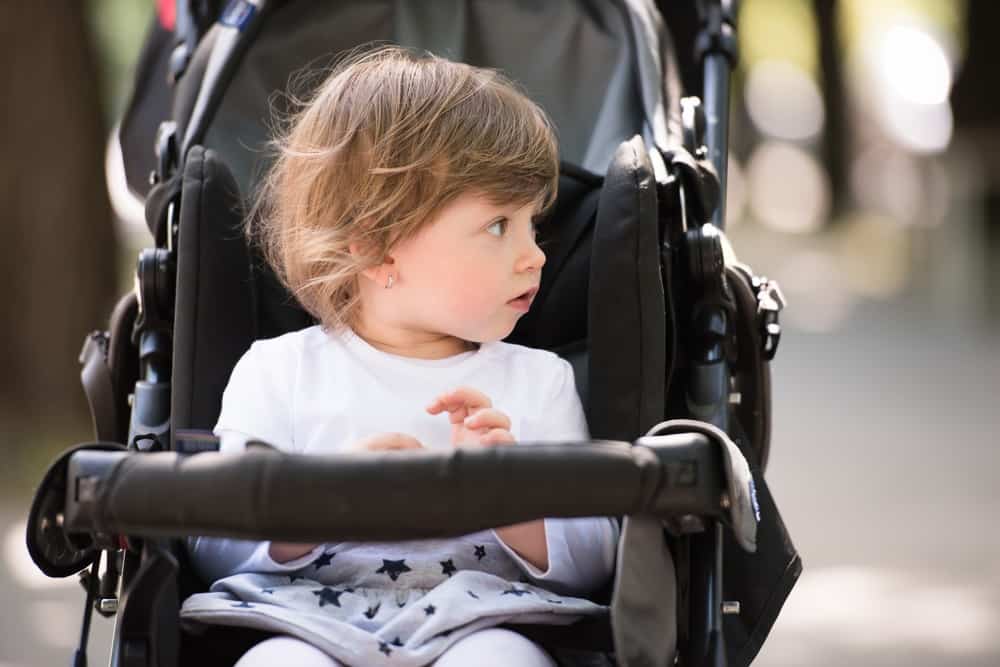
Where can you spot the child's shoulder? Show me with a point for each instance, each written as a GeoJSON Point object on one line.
{"type": "Point", "coordinates": [534, 359]}
{"type": "Point", "coordinates": [293, 343]}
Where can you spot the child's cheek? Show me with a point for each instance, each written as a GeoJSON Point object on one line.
{"type": "Point", "coordinates": [467, 298]}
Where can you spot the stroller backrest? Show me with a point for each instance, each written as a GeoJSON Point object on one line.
{"type": "Point", "coordinates": [227, 297]}
{"type": "Point", "coordinates": [596, 67]}
{"type": "Point", "coordinates": [601, 304]}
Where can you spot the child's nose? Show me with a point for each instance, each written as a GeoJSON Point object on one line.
{"type": "Point", "coordinates": [533, 259]}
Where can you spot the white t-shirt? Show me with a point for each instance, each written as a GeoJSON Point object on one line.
{"type": "Point", "coordinates": [315, 392]}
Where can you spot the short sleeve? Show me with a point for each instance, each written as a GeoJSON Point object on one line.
{"type": "Point", "coordinates": [256, 405]}
{"type": "Point", "coordinates": [258, 401]}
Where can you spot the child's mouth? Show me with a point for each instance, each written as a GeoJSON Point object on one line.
{"type": "Point", "coordinates": [523, 302]}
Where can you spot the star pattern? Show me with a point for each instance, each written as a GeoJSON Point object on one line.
{"type": "Point", "coordinates": [393, 568]}
{"type": "Point", "coordinates": [327, 594]}
{"type": "Point", "coordinates": [324, 559]}
{"type": "Point", "coordinates": [514, 590]}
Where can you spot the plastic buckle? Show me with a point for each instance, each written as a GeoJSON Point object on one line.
{"type": "Point", "coordinates": [693, 127]}
{"type": "Point", "coordinates": [770, 302]}
{"type": "Point", "coordinates": [147, 442]}
{"type": "Point", "coordinates": [94, 338]}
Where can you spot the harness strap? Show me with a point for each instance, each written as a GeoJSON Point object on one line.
{"type": "Point", "coordinates": [98, 385]}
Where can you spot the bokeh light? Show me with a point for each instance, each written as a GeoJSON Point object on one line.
{"type": "Point", "coordinates": [788, 189]}
{"type": "Point", "coordinates": [783, 101]}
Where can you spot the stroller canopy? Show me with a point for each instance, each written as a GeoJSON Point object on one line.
{"type": "Point", "coordinates": [603, 71]}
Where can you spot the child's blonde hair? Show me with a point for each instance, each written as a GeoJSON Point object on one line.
{"type": "Point", "coordinates": [389, 138]}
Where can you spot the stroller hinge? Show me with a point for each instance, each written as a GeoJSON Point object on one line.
{"type": "Point", "coordinates": [150, 419]}
{"type": "Point", "coordinates": [717, 34]}
{"type": "Point", "coordinates": [770, 302]}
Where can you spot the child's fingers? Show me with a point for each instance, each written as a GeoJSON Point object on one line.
{"type": "Point", "coordinates": [497, 436]}
{"type": "Point", "coordinates": [463, 397]}
{"type": "Point", "coordinates": [387, 441]}
{"type": "Point", "coordinates": [487, 418]}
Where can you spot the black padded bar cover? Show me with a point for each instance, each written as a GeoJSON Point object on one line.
{"type": "Point", "coordinates": [214, 319]}
{"type": "Point", "coordinates": [628, 333]}
{"type": "Point", "coordinates": [265, 494]}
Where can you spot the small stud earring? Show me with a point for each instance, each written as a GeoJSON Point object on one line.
{"type": "Point", "coordinates": [388, 281]}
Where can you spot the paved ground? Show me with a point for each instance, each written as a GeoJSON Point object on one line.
{"type": "Point", "coordinates": [884, 461]}
{"type": "Point", "coordinates": [884, 465]}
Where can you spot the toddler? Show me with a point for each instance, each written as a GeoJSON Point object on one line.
{"type": "Point", "coordinates": [401, 212]}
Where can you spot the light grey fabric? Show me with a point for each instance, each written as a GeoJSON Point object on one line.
{"type": "Point", "coordinates": [595, 66]}
{"type": "Point", "coordinates": [363, 625]}
{"type": "Point", "coordinates": [650, 39]}
{"type": "Point", "coordinates": [743, 512]}
{"type": "Point", "coordinates": [644, 604]}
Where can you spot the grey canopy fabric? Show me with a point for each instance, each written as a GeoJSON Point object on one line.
{"type": "Point", "coordinates": [595, 66]}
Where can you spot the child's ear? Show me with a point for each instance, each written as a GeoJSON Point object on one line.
{"type": "Point", "coordinates": [374, 273]}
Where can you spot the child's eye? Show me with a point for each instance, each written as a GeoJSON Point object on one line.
{"type": "Point", "coordinates": [498, 228]}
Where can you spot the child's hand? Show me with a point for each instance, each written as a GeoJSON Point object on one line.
{"type": "Point", "coordinates": [381, 442]}
{"type": "Point", "coordinates": [474, 420]}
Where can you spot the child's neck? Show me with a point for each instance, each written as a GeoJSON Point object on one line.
{"type": "Point", "coordinates": [418, 345]}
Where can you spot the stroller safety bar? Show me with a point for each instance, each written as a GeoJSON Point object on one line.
{"type": "Point", "coordinates": [393, 495]}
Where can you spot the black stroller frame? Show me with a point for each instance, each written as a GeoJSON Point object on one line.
{"type": "Point", "coordinates": [698, 482]}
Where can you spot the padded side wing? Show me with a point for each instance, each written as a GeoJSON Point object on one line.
{"type": "Point", "coordinates": [627, 321]}
{"type": "Point", "coordinates": [215, 319]}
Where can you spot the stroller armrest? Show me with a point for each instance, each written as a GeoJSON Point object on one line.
{"type": "Point", "coordinates": [388, 495]}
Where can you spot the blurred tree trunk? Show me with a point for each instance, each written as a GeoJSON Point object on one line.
{"type": "Point", "coordinates": [976, 104]}
{"type": "Point", "coordinates": [57, 250]}
{"type": "Point", "coordinates": [835, 144]}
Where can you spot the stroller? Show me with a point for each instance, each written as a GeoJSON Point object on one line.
{"type": "Point", "coordinates": [640, 293]}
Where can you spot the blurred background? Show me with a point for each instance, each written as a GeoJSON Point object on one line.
{"type": "Point", "coordinates": [865, 146]}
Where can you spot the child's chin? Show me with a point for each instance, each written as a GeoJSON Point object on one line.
{"type": "Point", "coordinates": [491, 335]}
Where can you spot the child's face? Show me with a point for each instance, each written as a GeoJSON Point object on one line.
{"type": "Point", "coordinates": [472, 271]}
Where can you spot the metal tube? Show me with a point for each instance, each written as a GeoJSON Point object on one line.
{"type": "Point", "coordinates": [717, 124]}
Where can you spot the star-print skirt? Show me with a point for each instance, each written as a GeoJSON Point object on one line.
{"type": "Point", "coordinates": [400, 603]}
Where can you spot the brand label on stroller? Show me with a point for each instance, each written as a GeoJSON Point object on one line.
{"type": "Point", "coordinates": [237, 14]}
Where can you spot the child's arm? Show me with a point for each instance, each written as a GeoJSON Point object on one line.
{"type": "Point", "coordinates": [476, 423]}
{"type": "Point", "coordinates": [573, 556]}
{"type": "Point", "coordinates": [528, 540]}
{"type": "Point", "coordinates": [216, 557]}
{"type": "Point", "coordinates": [282, 552]}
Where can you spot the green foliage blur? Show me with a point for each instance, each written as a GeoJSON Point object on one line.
{"type": "Point", "coordinates": [117, 31]}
